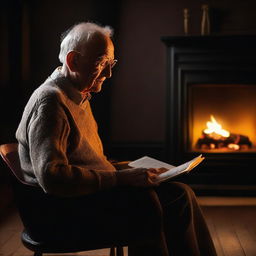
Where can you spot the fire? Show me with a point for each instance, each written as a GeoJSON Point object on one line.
{"type": "Point", "coordinates": [216, 138]}
{"type": "Point", "coordinates": [233, 146]}
{"type": "Point", "coordinates": [215, 128]}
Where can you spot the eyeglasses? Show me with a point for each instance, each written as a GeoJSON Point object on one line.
{"type": "Point", "coordinates": [102, 63]}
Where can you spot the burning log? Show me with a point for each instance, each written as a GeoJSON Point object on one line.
{"type": "Point", "coordinates": [233, 141]}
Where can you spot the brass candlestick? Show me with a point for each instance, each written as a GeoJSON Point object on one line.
{"type": "Point", "coordinates": [186, 20]}
{"type": "Point", "coordinates": [205, 23]}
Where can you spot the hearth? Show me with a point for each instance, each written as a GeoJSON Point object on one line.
{"type": "Point", "coordinates": [211, 106]}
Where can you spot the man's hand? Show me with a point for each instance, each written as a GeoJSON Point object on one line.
{"type": "Point", "coordinates": [138, 177]}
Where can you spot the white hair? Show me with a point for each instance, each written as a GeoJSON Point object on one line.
{"type": "Point", "coordinates": [75, 38]}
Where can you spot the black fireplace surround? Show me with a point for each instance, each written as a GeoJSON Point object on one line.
{"type": "Point", "coordinates": [207, 60]}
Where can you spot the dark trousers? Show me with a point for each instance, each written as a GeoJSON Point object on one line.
{"type": "Point", "coordinates": [160, 221]}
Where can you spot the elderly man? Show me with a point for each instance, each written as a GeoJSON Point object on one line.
{"type": "Point", "coordinates": [61, 153]}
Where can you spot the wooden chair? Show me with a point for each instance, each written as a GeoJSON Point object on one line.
{"type": "Point", "coordinates": [9, 153]}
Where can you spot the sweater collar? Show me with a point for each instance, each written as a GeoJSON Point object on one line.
{"type": "Point", "coordinates": [68, 88]}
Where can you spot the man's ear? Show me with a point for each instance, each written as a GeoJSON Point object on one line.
{"type": "Point", "coordinates": [72, 61]}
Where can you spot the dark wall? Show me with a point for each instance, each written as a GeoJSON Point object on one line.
{"type": "Point", "coordinates": [131, 107]}
{"type": "Point", "coordinates": [138, 109]}
{"type": "Point", "coordinates": [29, 49]}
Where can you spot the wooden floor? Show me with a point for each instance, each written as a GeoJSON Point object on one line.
{"type": "Point", "coordinates": [233, 229]}
{"type": "Point", "coordinates": [232, 223]}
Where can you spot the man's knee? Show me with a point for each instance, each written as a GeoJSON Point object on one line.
{"type": "Point", "coordinates": [176, 196]}
{"type": "Point", "coordinates": [184, 188]}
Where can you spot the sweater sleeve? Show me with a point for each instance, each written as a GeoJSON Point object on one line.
{"type": "Point", "coordinates": [48, 132]}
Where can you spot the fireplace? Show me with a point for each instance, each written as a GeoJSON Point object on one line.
{"type": "Point", "coordinates": [211, 107]}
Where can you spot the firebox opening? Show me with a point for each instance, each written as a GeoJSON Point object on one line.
{"type": "Point", "coordinates": [222, 118]}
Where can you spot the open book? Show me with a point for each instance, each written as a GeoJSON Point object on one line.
{"type": "Point", "coordinates": [172, 171]}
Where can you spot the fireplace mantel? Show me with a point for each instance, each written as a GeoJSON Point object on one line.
{"type": "Point", "coordinates": [217, 41]}
{"type": "Point", "coordinates": [212, 59]}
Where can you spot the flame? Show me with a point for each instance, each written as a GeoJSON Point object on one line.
{"type": "Point", "coordinates": [214, 127]}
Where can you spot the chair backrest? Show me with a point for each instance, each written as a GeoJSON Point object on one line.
{"type": "Point", "coordinates": [9, 153]}
{"type": "Point", "coordinates": [29, 198]}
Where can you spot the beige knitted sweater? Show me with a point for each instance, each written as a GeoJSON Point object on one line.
{"type": "Point", "coordinates": [59, 146]}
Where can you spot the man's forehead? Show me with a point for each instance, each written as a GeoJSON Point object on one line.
{"type": "Point", "coordinates": [101, 47]}
{"type": "Point", "coordinates": [104, 56]}
{"type": "Point", "coordinates": [106, 52]}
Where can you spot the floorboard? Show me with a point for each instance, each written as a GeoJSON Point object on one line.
{"type": "Point", "coordinates": [233, 229]}
{"type": "Point", "coordinates": [213, 231]}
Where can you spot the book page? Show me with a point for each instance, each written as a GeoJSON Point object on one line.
{"type": "Point", "coordinates": [148, 162]}
{"type": "Point", "coordinates": [186, 167]}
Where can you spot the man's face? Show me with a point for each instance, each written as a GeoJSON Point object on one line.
{"type": "Point", "coordinates": [96, 65]}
